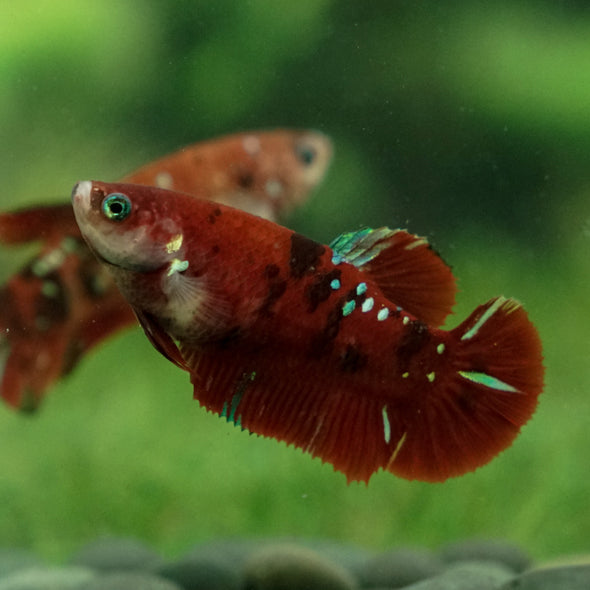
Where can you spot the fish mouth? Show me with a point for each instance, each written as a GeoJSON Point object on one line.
{"type": "Point", "coordinates": [81, 194]}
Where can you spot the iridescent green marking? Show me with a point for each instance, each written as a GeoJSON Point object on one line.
{"type": "Point", "coordinates": [406, 320]}
{"type": "Point", "coordinates": [229, 410]}
{"type": "Point", "coordinates": [386, 425]}
{"type": "Point", "coordinates": [335, 284]}
{"type": "Point", "coordinates": [405, 375]}
{"type": "Point", "coordinates": [487, 381]}
{"type": "Point", "coordinates": [361, 289]}
{"type": "Point", "coordinates": [50, 289]}
{"type": "Point", "coordinates": [440, 348]}
{"type": "Point", "coordinates": [69, 244]}
{"type": "Point", "coordinates": [367, 304]}
{"type": "Point", "coordinates": [431, 376]}
{"type": "Point", "coordinates": [174, 244]}
{"type": "Point", "coordinates": [383, 314]}
{"type": "Point", "coordinates": [484, 318]}
{"type": "Point", "coordinates": [348, 307]}
{"type": "Point", "coordinates": [360, 247]}
{"type": "Point", "coordinates": [177, 265]}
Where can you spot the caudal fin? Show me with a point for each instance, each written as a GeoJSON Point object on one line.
{"type": "Point", "coordinates": [488, 390]}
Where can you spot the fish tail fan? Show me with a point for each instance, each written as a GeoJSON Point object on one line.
{"type": "Point", "coordinates": [486, 390]}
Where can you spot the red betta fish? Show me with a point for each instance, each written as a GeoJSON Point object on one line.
{"type": "Point", "coordinates": [64, 302]}
{"type": "Point", "coordinates": [329, 348]}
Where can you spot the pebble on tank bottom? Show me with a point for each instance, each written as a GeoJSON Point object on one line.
{"type": "Point", "coordinates": [268, 564]}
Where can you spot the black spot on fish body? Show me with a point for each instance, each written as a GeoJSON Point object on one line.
{"type": "Point", "coordinates": [320, 288]}
{"type": "Point", "coordinates": [212, 217]}
{"type": "Point", "coordinates": [229, 338]}
{"type": "Point", "coordinates": [305, 255]}
{"type": "Point", "coordinates": [353, 360]}
{"type": "Point", "coordinates": [323, 341]}
{"type": "Point", "coordinates": [413, 339]}
{"type": "Point", "coordinates": [245, 179]}
{"type": "Point", "coordinates": [271, 271]}
{"type": "Point", "coordinates": [276, 288]}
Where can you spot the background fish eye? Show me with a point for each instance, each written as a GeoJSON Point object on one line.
{"type": "Point", "coordinates": [306, 154]}
{"type": "Point", "coordinates": [116, 206]}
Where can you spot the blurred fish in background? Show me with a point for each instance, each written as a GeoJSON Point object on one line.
{"type": "Point", "coordinates": [63, 303]}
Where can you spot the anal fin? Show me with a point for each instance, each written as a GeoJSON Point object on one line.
{"type": "Point", "coordinates": [295, 400]}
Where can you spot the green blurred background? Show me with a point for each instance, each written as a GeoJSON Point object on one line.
{"type": "Point", "coordinates": [465, 121]}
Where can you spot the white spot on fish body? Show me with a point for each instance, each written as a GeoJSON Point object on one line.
{"type": "Point", "coordinates": [335, 284]}
{"type": "Point", "coordinates": [251, 144]}
{"type": "Point", "coordinates": [274, 188]}
{"type": "Point", "coordinates": [48, 263]}
{"type": "Point", "coordinates": [406, 320]}
{"type": "Point", "coordinates": [367, 305]}
{"type": "Point", "coordinates": [361, 289]}
{"type": "Point", "coordinates": [383, 314]}
{"type": "Point", "coordinates": [164, 180]}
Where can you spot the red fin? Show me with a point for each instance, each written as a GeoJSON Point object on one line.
{"type": "Point", "coordinates": [488, 377]}
{"type": "Point", "coordinates": [413, 276]}
{"type": "Point", "coordinates": [37, 224]}
{"type": "Point", "coordinates": [160, 339]}
{"type": "Point", "coordinates": [487, 392]}
{"type": "Point", "coordinates": [29, 366]}
{"type": "Point", "coordinates": [292, 400]}
{"type": "Point", "coordinates": [405, 267]}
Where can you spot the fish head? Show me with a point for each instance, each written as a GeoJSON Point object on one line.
{"type": "Point", "coordinates": [126, 226]}
{"type": "Point", "coordinates": [313, 151]}
{"type": "Point", "coordinates": [288, 166]}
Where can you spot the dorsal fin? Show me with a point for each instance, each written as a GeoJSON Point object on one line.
{"type": "Point", "coordinates": [405, 268]}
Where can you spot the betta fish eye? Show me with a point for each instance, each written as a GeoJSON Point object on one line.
{"type": "Point", "coordinates": [306, 154]}
{"type": "Point", "coordinates": [116, 206]}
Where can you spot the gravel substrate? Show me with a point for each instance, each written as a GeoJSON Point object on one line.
{"type": "Point", "coordinates": [279, 564]}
